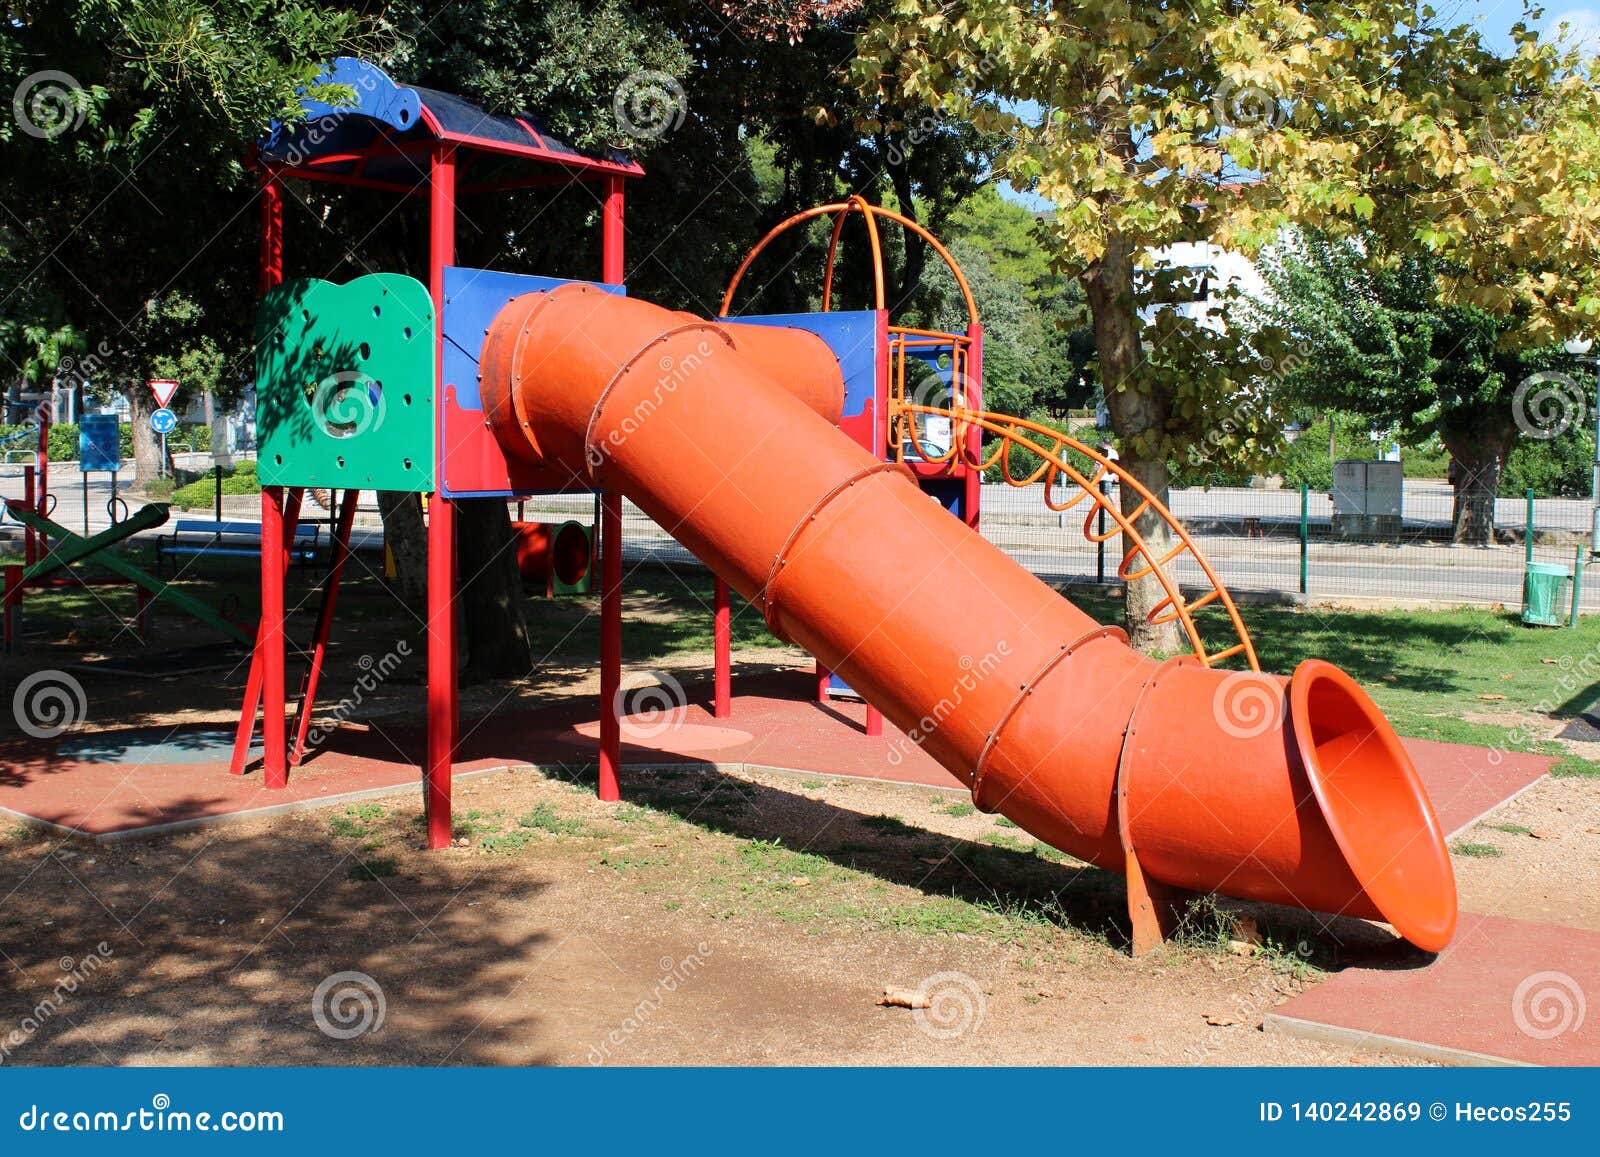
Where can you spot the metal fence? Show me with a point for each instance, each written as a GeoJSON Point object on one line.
{"type": "Point", "coordinates": [1276, 542]}
{"type": "Point", "coordinates": [1256, 539]}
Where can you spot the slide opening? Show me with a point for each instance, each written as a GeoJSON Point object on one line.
{"type": "Point", "coordinates": [1374, 803]}
{"type": "Point", "coordinates": [570, 554]}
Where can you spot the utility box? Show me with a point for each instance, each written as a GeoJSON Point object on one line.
{"type": "Point", "coordinates": [1368, 499]}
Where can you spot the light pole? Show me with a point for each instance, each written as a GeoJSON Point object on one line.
{"type": "Point", "coordinates": [1579, 348]}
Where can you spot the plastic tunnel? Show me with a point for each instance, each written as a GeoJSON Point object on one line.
{"type": "Point", "coordinates": [1288, 790]}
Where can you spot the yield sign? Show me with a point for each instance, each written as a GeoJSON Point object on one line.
{"type": "Point", "coordinates": [163, 389]}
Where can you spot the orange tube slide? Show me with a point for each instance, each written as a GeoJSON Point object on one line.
{"type": "Point", "coordinates": [1293, 791]}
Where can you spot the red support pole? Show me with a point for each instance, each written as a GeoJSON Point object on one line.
{"type": "Point", "coordinates": [253, 681]}
{"type": "Point", "coordinates": [269, 640]}
{"type": "Point", "coordinates": [823, 675]}
{"type": "Point", "coordinates": [874, 721]}
{"type": "Point", "coordinates": [443, 704]}
{"type": "Point", "coordinates": [722, 632]}
{"type": "Point", "coordinates": [271, 258]}
{"type": "Point", "coordinates": [611, 233]}
{"type": "Point", "coordinates": [441, 667]}
{"type": "Point", "coordinates": [610, 645]}
{"type": "Point", "coordinates": [319, 645]}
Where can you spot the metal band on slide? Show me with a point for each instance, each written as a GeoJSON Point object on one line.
{"type": "Point", "coordinates": [1045, 668]}
{"type": "Point", "coordinates": [589, 454]}
{"type": "Point", "coordinates": [766, 596]}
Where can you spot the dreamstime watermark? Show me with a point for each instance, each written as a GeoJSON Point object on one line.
{"type": "Point", "coordinates": [1247, 704]}
{"type": "Point", "coordinates": [673, 373]}
{"type": "Point", "coordinates": [651, 703]}
{"type": "Point", "coordinates": [349, 1004]}
{"type": "Point", "coordinates": [49, 104]}
{"type": "Point", "coordinates": [306, 138]}
{"type": "Point", "coordinates": [74, 974]}
{"type": "Point", "coordinates": [373, 674]}
{"type": "Point", "coordinates": [648, 105]}
{"type": "Point", "coordinates": [1547, 1005]}
{"type": "Point", "coordinates": [347, 403]}
{"type": "Point", "coordinates": [956, 1006]}
{"type": "Point", "coordinates": [973, 674]}
{"type": "Point", "coordinates": [49, 703]}
{"type": "Point", "coordinates": [1248, 106]}
{"type": "Point", "coordinates": [674, 975]}
{"type": "Point", "coordinates": [1547, 404]}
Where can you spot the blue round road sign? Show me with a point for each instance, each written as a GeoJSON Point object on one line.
{"type": "Point", "coordinates": [163, 421]}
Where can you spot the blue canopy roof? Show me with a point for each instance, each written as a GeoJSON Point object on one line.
{"type": "Point", "coordinates": [386, 137]}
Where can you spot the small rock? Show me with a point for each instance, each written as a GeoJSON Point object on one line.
{"type": "Point", "coordinates": [1220, 1020]}
{"type": "Point", "coordinates": [1540, 834]}
{"type": "Point", "coordinates": [800, 881]}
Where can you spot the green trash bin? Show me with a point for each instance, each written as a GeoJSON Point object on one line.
{"type": "Point", "coordinates": [1546, 594]}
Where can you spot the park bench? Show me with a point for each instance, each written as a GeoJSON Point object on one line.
{"type": "Point", "coordinates": [192, 537]}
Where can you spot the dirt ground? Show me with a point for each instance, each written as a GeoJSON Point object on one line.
{"type": "Point", "coordinates": [713, 918]}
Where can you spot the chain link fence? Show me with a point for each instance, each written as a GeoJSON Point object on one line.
{"type": "Point", "coordinates": [1267, 542]}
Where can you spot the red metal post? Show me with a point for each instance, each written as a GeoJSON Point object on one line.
{"type": "Point", "coordinates": [319, 645]}
{"type": "Point", "coordinates": [611, 233]}
{"type": "Point", "coordinates": [972, 498]}
{"type": "Point", "coordinates": [823, 676]}
{"type": "Point", "coordinates": [271, 260]}
{"type": "Point", "coordinates": [874, 720]}
{"type": "Point", "coordinates": [610, 645]}
{"type": "Point", "coordinates": [722, 632]}
{"type": "Point", "coordinates": [442, 686]}
{"type": "Point", "coordinates": [270, 637]}
{"type": "Point", "coordinates": [253, 681]}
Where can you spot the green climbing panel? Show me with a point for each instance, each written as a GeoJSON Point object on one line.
{"type": "Point", "coordinates": [345, 385]}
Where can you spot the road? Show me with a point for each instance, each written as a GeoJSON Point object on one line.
{"type": "Point", "coordinates": [1054, 547]}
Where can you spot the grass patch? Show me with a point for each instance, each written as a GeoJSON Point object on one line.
{"type": "Point", "coordinates": [1475, 851]}
{"type": "Point", "coordinates": [545, 818]}
{"type": "Point", "coordinates": [813, 784]}
{"type": "Point", "coordinates": [356, 821]}
{"type": "Point", "coordinates": [959, 809]}
{"type": "Point", "coordinates": [1575, 767]}
{"type": "Point", "coordinates": [1003, 822]}
{"type": "Point", "coordinates": [375, 868]}
{"type": "Point", "coordinates": [1510, 829]}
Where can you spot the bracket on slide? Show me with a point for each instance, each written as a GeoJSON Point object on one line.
{"type": "Point", "coordinates": [1153, 907]}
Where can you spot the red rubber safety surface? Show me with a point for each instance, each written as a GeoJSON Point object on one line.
{"type": "Point", "coordinates": [785, 730]}
{"type": "Point", "coordinates": [1506, 991]}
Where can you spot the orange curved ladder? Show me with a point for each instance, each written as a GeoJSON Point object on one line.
{"type": "Point", "coordinates": [1052, 448]}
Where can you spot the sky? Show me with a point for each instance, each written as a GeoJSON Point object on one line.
{"type": "Point", "coordinates": [1497, 16]}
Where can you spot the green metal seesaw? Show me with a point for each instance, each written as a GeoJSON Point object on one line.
{"type": "Point", "coordinates": [74, 548]}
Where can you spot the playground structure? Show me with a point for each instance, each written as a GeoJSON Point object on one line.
{"type": "Point", "coordinates": [847, 515]}
{"type": "Point", "coordinates": [46, 567]}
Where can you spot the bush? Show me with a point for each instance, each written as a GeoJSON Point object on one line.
{"type": "Point", "coordinates": [1557, 468]}
{"type": "Point", "coordinates": [63, 440]}
{"type": "Point", "coordinates": [201, 494]}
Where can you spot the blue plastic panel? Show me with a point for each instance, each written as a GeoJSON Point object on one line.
{"type": "Point", "coordinates": [853, 338]}
{"type": "Point", "coordinates": [472, 299]}
{"type": "Point", "coordinates": [473, 464]}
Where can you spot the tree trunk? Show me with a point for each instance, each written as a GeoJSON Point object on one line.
{"type": "Point", "coordinates": [403, 533]}
{"type": "Point", "coordinates": [146, 442]}
{"type": "Point", "coordinates": [495, 624]}
{"type": "Point", "coordinates": [1480, 457]}
{"type": "Point", "coordinates": [1139, 416]}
